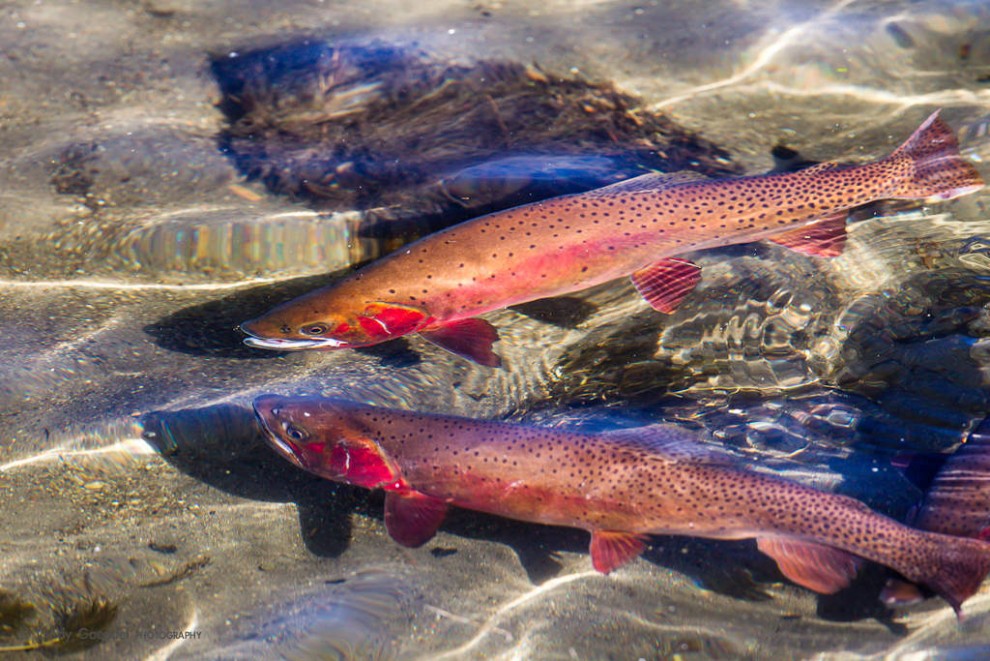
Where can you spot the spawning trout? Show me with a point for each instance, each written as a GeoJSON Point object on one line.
{"type": "Point", "coordinates": [957, 503]}
{"type": "Point", "coordinates": [438, 286]}
{"type": "Point", "coordinates": [620, 486]}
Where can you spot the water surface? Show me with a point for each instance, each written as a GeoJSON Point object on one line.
{"type": "Point", "coordinates": [139, 497]}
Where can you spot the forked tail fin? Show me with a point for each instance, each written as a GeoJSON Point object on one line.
{"type": "Point", "coordinates": [929, 165]}
{"type": "Point", "coordinates": [961, 568]}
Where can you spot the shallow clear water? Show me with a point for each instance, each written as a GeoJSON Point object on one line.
{"type": "Point", "coordinates": [139, 499]}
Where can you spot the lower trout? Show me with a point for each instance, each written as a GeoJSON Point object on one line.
{"type": "Point", "coordinates": [438, 286]}
{"type": "Point", "coordinates": [620, 486]}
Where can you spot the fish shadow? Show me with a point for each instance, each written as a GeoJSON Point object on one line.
{"type": "Point", "coordinates": [737, 569]}
{"type": "Point", "coordinates": [210, 329]}
{"type": "Point", "coordinates": [925, 369]}
{"type": "Point", "coordinates": [861, 601]}
{"type": "Point", "coordinates": [734, 569]}
{"type": "Point", "coordinates": [223, 446]}
{"type": "Point", "coordinates": [538, 547]}
{"type": "Point", "coordinates": [560, 311]}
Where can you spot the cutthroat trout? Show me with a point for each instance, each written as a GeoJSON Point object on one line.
{"type": "Point", "coordinates": [438, 286]}
{"type": "Point", "coordinates": [620, 486]}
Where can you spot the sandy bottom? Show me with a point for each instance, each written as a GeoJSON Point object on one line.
{"type": "Point", "coordinates": [144, 517]}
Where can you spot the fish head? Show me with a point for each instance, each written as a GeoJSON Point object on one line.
{"type": "Point", "coordinates": [325, 437]}
{"type": "Point", "coordinates": [321, 321]}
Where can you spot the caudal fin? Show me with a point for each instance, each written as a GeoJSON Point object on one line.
{"type": "Point", "coordinates": [929, 165]}
{"type": "Point", "coordinates": [961, 568]}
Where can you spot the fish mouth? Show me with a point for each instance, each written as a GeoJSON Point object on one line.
{"type": "Point", "coordinates": [258, 341]}
{"type": "Point", "coordinates": [293, 345]}
{"type": "Point", "coordinates": [284, 448]}
{"type": "Point", "coordinates": [265, 409]}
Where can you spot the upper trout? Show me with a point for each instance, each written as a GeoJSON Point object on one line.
{"type": "Point", "coordinates": [438, 285]}
{"type": "Point", "coordinates": [620, 486]}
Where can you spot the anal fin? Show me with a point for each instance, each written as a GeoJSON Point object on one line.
{"type": "Point", "coordinates": [468, 338]}
{"type": "Point", "coordinates": [825, 238]}
{"type": "Point", "coordinates": [611, 550]}
{"type": "Point", "coordinates": [667, 282]}
{"type": "Point", "coordinates": [824, 569]}
{"type": "Point", "coordinates": [412, 518]}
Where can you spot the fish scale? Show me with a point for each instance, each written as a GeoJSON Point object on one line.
{"type": "Point", "coordinates": [438, 286]}
{"type": "Point", "coordinates": [620, 486]}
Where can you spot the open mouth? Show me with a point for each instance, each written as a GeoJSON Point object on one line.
{"type": "Point", "coordinates": [266, 417]}
{"type": "Point", "coordinates": [293, 345]}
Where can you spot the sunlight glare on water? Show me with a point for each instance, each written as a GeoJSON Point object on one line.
{"type": "Point", "coordinates": [171, 169]}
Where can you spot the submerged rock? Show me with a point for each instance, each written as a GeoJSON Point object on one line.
{"type": "Point", "coordinates": [408, 135]}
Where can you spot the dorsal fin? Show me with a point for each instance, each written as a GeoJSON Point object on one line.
{"type": "Point", "coordinates": [653, 181]}
{"type": "Point", "coordinates": [668, 441]}
{"type": "Point", "coordinates": [823, 167]}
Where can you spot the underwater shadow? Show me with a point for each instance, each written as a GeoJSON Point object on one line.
{"type": "Point", "coordinates": [209, 329]}
{"type": "Point", "coordinates": [363, 123]}
{"type": "Point", "coordinates": [737, 569]}
{"type": "Point", "coordinates": [861, 601]}
{"type": "Point", "coordinates": [224, 447]}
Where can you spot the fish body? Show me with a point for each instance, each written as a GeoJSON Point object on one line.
{"type": "Point", "coordinates": [439, 285]}
{"type": "Point", "coordinates": [620, 486]}
{"type": "Point", "coordinates": [957, 503]}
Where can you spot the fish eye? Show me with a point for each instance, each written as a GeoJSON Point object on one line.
{"type": "Point", "coordinates": [314, 329]}
{"type": "Point", "coordinates": [294, 432]}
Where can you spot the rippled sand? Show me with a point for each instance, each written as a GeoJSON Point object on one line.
{"type": "Point", "coordinates": [139, 498]}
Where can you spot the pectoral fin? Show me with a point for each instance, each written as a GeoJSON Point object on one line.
{"type": "Point", "coordinates": [820, 568]}
{"type": "Point", "coordinates": [665, 284]}
{"type": "Point", "coordinates": [469, 338]}
{"type": "Point", "coordinates": [411, 518]}
{"type": "Point", "coordinates": [611, 550]}
{"type": "Point", "coordinates": [826, 238]}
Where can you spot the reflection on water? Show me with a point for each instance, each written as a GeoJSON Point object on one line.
{"type": "Point", "coordinates": [136, 488]}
